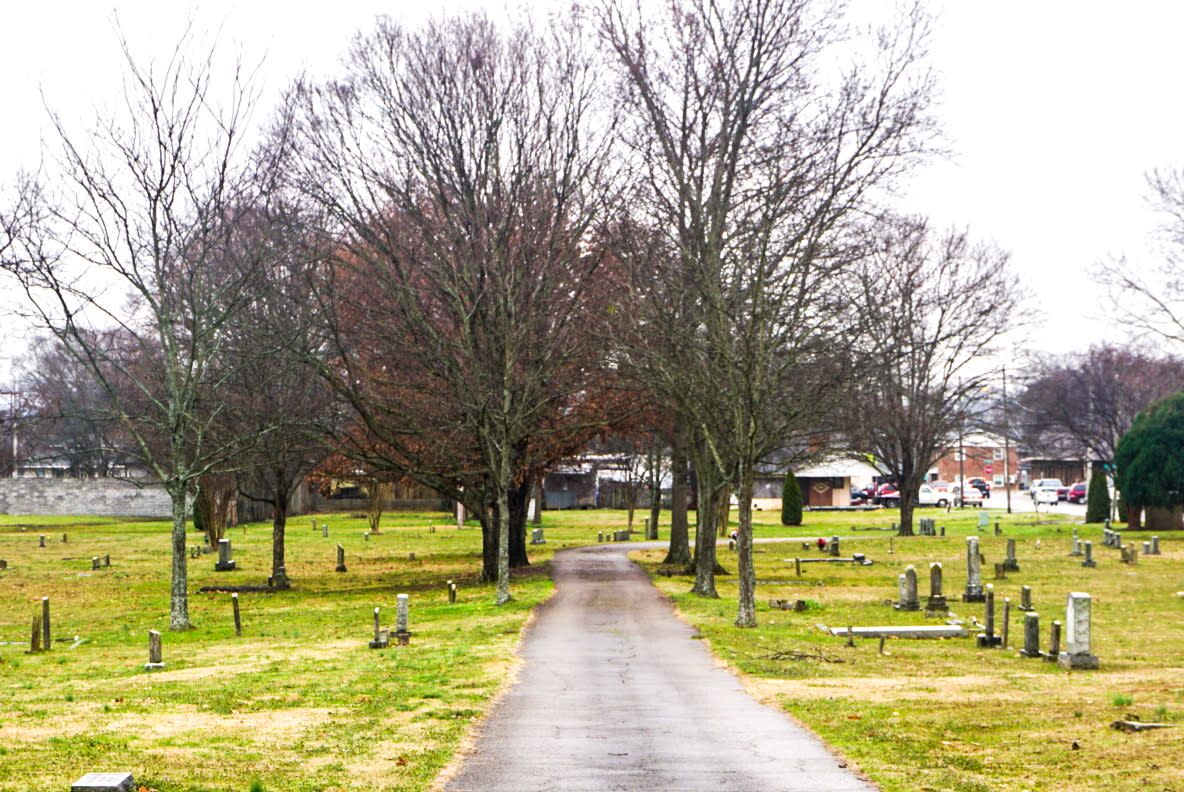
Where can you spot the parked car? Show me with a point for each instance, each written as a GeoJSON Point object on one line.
{"type": "Point", "coordinates": [1051, 483]}
{"type": "Point", "coordinates": [1077, 493]}
{"type": "Point", "coordinates": [974, 497]}
{"type": "Point", "coordinates": [887, 495]}
{"type": "Point", "coordinates": [858, 497]}
{"type": "Point", "coordinates": [930, 495]}
{"type": "Point", "coordinates": [1047, 491]}
{"type": "Point", "coordinates": [982, 485]}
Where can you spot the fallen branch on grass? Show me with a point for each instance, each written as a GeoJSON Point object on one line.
{"type": "Point", "coordinates": [793, 654]}
{"type": "Point", "coordinates": [1138, 726]}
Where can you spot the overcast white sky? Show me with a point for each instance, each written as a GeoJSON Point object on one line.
{"type": "Point", "coordinates": [1054, 109]}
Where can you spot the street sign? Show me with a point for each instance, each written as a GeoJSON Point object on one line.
{"type": "Point", "coordinates": [987, 470]}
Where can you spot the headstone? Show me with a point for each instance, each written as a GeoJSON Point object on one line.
{"type": "Point", "coordinates": [155, 657]}
{"type": "Point", "coordinates": [411, 556]}
{"type": "Point", "coordinates": [1054, 643]}
{"type": "Point", "coordinates": [834, 546]}
{"type": "Point", "coordinates": [366, 536]}
{"type": "Point", "coordinates": [1010, 564]}
{"type": "Point", "coordinates": [974, 575]}
{"type": "Point", "coordinates": [279, 580]}
{"type": "Point", "coordinates": [401, 621]}
{"type": "Point", "coordinates": [63, 538]}
{"type": "Point", "coordinates": [340, 559]}
{"type": "Point", "coordinates": [107, 560]}
{"type": "Point", "coordinates": [35, 635]}
{"type": "Point", "coordinates": [943, 531]}
{"type": "Point", "coordinates": [1006, 626]}
{"type": "Point", "coordinates": [909, 600]}
{"type": "Point", "coordinates": [1154, 546]}
{"type": "Point", "coordinates": [42, 541]}
{"type": "Point", "coordinates": [1077, 552]}
{"type": "Point", "coordinates": [1146, 548]}
{"type": "Point", "coordinates": [382, 637]}
{"type": "Point", "coordinates": [1130, 555]}
{"type": "Point", "coordinates": [987, 638]}
{"type": "Point", "coordinates": [998, 530]}
{"type": "Point", "coordinates": [104, 782]}
{"type": "Point", "coordinates": [324, 530]}
{"type": "Point", "coordinates": [901, 591]}
{"type": "Point", "coordinates": [225, 563]}
{"type": "Point", "coordinates": [94, 563]}
{"type": "Point", "coordinates": [1031, 635]}
{"type": "Point", "coordinates": [46, 640]}
{"type": "Point", "coordinates": [1000, 572]}
{"type": "Point", "coordinates": [3, 564]}
{"type": "Point", "coordinates": [451, 592]}
{"type": "Point", "coordinates": [1076, 653]}
{"type": "Point", "coordinates": [984, 519]}
{"type": "Point", "coordinates": [238, 622]}
{"type": "Point", "coordinates": [1089, 555]}
{"type": "Point", "coordinates": [1026, 598]}
{"type": "Point", "coordinates": [936, 604]}
{"type": "Point", "coordinates": [536, 535]}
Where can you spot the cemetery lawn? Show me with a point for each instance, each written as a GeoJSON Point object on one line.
{"type": "Point", "coordinates": [942, 714]}
{"type": "Point", "coordinates": [299, 702]}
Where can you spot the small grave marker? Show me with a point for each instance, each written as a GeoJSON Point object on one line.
{"type": "Point", "coordinates": [224, 563]}
{"type": "Point", "coordinates": [1031, 635]}
{"type": "Point", "coordinates": [45, 623]}
{"type": "Point", "coordinates": [340, 559]}
{"type": "Point", "coordinates": [155, 655]}
{"type": "Point", "coordinates": [936, 605]}
{"type": "Point", "coordinates": [1026, 598]}
{"type": "Point", "coordinates": [1010, 564]}
{"type": "Point", "coordinates": [987, 638]}
{"type": "Point", "coordinates": [238, 622]}
{"type": "Point", "coordinates": [536, 534]}
{"type": "Point", "coordinates": [42, 541]}
{"type": "Point", "coordinates": [401, 632]}
{"type": "Point", "coordinates": [974, 576]}
{"type": "Point", "coordinates": [382, 638]}
{"type": "Point", "coordinates": [1154, 546]}
{"type": "Point", "coordinates": [1089, 555]}
{"type": "Point", "coordinates": [908, 590]}
{"type": "Point", "coordinates": [1054, 643]}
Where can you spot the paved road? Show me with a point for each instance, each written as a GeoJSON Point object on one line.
{"type": "Point", "coordinates": [616, 695]}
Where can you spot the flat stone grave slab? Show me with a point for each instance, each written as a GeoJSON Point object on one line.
{"type": "Point", "coordinates": [104, 782]}
{"type": "Point", "coordinates": [920, 631]}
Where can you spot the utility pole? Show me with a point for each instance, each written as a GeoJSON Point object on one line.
{"type": "Point", "coordinates": [1006, 444]}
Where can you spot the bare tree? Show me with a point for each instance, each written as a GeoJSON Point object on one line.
{"type": "Point", "coordinates": [459, 163]}
{"type": "Point", "coordinates": [142, 235]}
{"type": "Point", "coordinates": [1081, 404]}
{"type": "Point", "coordinates": [752, 154]}
{"type": "Point", "coordinates": [934, 309]}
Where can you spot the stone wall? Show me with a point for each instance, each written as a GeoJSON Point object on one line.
{"type": "Point", "coordinates": [90, 497]}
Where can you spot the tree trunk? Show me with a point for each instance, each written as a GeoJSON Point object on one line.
{"type": "Point", "coordinates": [1133, 516]}
{"type": "Point", "coordinates": [907, 505]}
{"type": "Point", "coordinates": [705, 536]}
{"type": "Point", "coordinates": [179, 591]}
{"type": "Point", "coordinates": [655, 488]}
{"type": "Point", "coordinates": [519, 500]}
{"type": "Point", "coordinates": [679, 553]}
{"type": "Point", "coordinates": [502, 519]}
{"type": "Point", "coordinates": [538, 499]}
{"type": "Point", "coordinates": [279, 524]}
{"type": "Point", "coordinates": [746, 605]}
{"type": "Point", "coordinates": [725, 514]}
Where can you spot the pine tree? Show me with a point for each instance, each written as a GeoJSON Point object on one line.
{"type": "Point", "coordinates": [1097, 498]}
{"type": "Point", "coordinates": [791, 500]}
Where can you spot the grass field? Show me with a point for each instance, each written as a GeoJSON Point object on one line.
{"type": "Point", "coordinates": [299, 702]}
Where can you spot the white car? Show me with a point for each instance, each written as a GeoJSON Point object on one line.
{"type": "Point", "coordinates": [1047, 491]}
{"type": "Point", "coordinates": [932, 496]}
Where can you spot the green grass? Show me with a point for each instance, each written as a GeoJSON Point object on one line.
{"type": "Point", "coordinates": [944, 714]}
{"type": "Point", "coordinates": [300, 703]}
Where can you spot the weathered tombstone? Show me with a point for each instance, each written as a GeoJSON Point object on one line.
{"type": "Point", "coordinates": [451, 592]}
{"type": "Point", "coordinates": [1089, 555]}
{"type": "Point", "coordinates": [1054, 643]}
{"type": "Point", "coordinates": [411, 556]}
{"type": "Point", "coordinates": [35, 635]}
{"type": "Point", "coordinates": [366, 536]}
{"type": "Point", "coordinates": [974, 575]}
{"type": "Point", "coordinates": [1000, 572]}
{"type": "Point", "coordinates": [1031, 635]}
{"type": "Point", "coordinates": [1077, 552]}
{"type": "Point", "coordinates": [1010, 564]}
{"type": "Point", "coordinates": [280, 579]}
{"type": "Point", "coordinates": [224, 563]}
{"type": "Point", "coordinates": [1076, 653]}
{"type": "Point", "coordinates": [1154, 546]}
{"type": "Point", "coordinates": [94, 563]}
{"type": "Point", "coordinates": [599, 537]}
{"type": "Point", "coordinates": [340, 559]}
{"type": "Point", "coordinates": [238, 622]}
{"type": "Point", "coordinates": [3, 564]}
{"type": "Point", "coordinates": [42, 541]}
{"type": "Point", "coordinates": [48, 643]}
{"type": "Point", "coordinates": [536, 535]}
{"type": "Point", "coordinates": [936, 605]}
{"type": "Point", "coordinates": [1146, 548]}
{"type": "Point", "coordinates": [943, 531]}
{"type": "Point", "coordinates": [382, 637]}
{"type": "Point", "coordinates": [155, 656]}
{"type": "Point", "coordinates": [324, 530]}
{"type": "Point", "coordinates": [104, 782]}
{"type": "Point", "coordinates": [987, 638]}
{"type": "Point", "coordinates": [984, 519]}
{"type": "Point", "coordinates": [998, 530]}
{"type": "Point", "coordinates": [401, 621]}
{"type": "Point", "coordinates": [797, 566]}
{"type": "Point", "coordinates": [1130, 555]}
{"type": "Point", "coordinates": [1006, 623]}
{"type": "Point", "coordinates": [1026, 598]}
{"type": "Point", "coordinates": [63, 538]}
{"type": "Point", "coordinates": [901, 591]}
{"type": "Point", "coordinates": [646, 526]}
{"type": "Point", "coordinates": [834, 546]}
{"type": "Point", "coordinates": [107, 560]}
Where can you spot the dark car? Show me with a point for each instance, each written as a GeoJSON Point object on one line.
{"type": "Point", "coordinates": [982, 485]}
{"type": "Point", "coordinates": [1076, 493]}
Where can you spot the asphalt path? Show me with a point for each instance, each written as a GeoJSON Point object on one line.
{"type": "Point", "coordinates": [616, 694]}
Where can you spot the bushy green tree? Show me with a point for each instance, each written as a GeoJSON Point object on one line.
{"type": "Point", "coordinates": [791, 500]}
{"type": "Point", "coordinates": [1097, 498]}
{"type": "Point", "coordinates": [1150, 461]}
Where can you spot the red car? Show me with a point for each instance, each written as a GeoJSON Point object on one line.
{"type": "Point", "coordinates": [1076, 493]}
